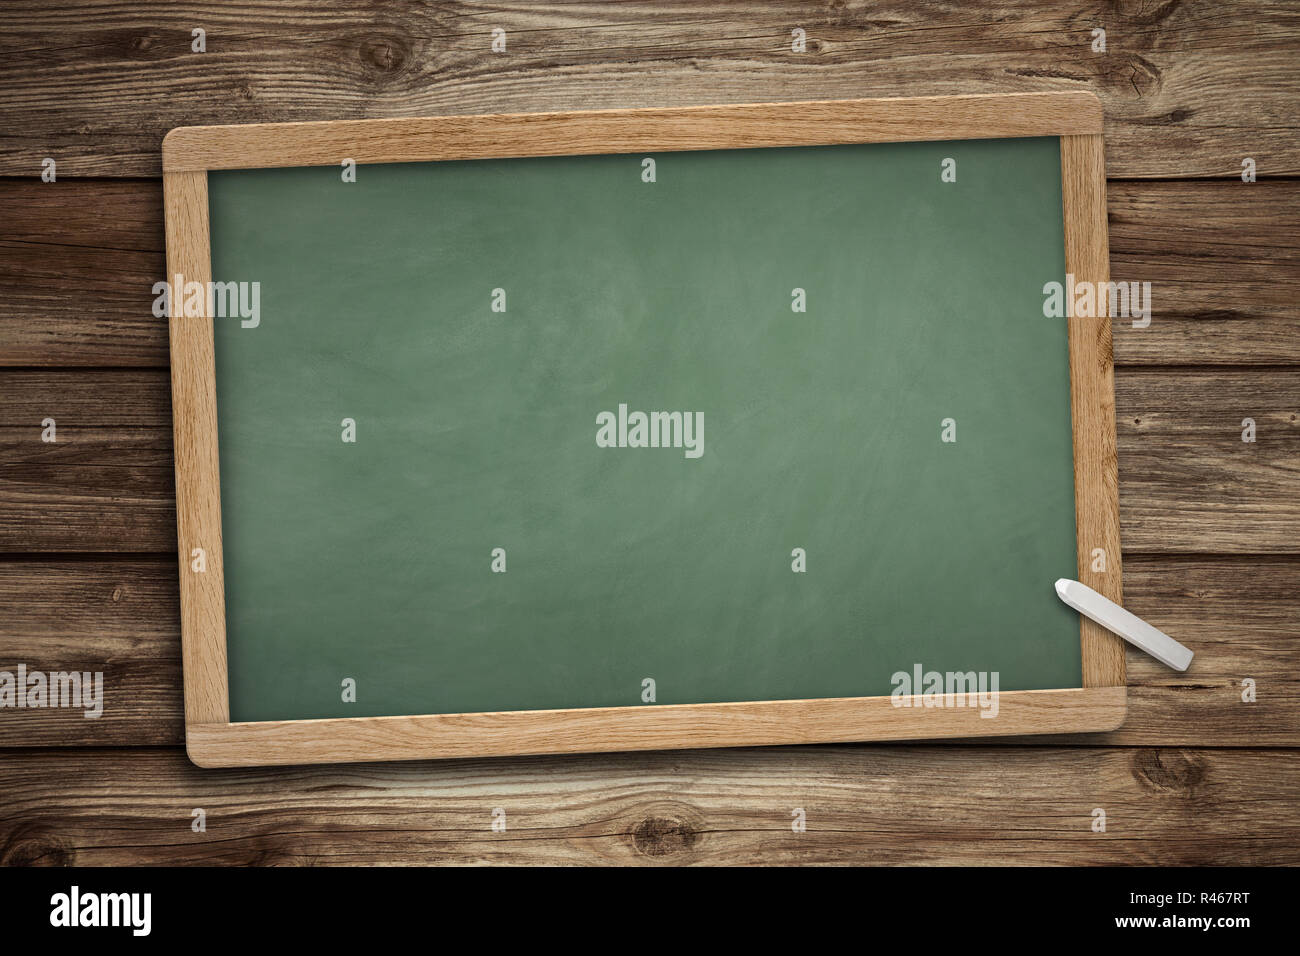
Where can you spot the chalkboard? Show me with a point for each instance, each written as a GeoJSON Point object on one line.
{"type": "Point", "coordinates": [643, 430]}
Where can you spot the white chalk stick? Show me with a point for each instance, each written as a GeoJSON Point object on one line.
{"type": "Point", "coordinates": [1128, 626]}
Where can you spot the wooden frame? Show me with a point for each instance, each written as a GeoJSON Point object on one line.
{"type": "Point", "coordinates": [189, 152]}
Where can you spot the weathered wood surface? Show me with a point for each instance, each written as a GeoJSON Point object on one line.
{"type": "Point", "coordinates": [107, 482]}
{"type": "Point", "coordinates": [1211, 525]}
{"type": "Point", "coordinates": [863, 804]}
{"type": "Point", "coordinates": [1189, 88]}
{"type": "Point", "coordinates": [1188, 483]}
{"type": "Point", "coordinates": [120, 616]}
{"type": "Point", "coordinates": [1223, 260]}
{"type": "Point", "coordinates": [78, 260]}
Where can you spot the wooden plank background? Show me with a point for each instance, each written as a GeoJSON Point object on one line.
{"type": "Point", "coordinates": [1211, 525]}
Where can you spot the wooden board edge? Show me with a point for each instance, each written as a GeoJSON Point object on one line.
{"type": "Point", "coordinates": [650, 727]}
{"type": "Point", "coordinates": [194, 431]}
{"type": "Point", "coordinates": [1092, 402]}
{"type": "Point", "coordinates": [810, 123]}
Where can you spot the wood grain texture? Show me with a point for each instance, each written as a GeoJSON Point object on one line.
{"type": "Point", "coordinates": [646, 130]}
{"type": "Point", "coordinates": [863, 804]}
{"type": "Point", "coordinates": [1188, 89]}
{"type": "Point", "coordinates": [194, 433]}
{"type": "Point", "coordinates": [1223, 260]}
{"type": "Point", "coordinates": [107, 483]}
{"type": "Point", "coordinates": [78, 260]}
{"type": "Point", "coordinates": [121, 616]}
{"type": "Point", "coordinates": [662, 727]}
{"type": "Point", "coordinates": [1092, 403]}
{"type": "Point", "coordinates": [118, 617]}
{"type": "Point", "coordinates": [1187, 481]}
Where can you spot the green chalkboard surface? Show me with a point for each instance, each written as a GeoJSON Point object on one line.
{"type": "Point", "coordinates": [490, 327]}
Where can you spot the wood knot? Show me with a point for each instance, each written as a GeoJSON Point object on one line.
{"type": "Point", "coordinates": [385, 54]}
{"type": "Point", "coordinates": [662, 836]}
{"type": "Point", "coordinates": [145, 46]}
{"type": "Point", "coordinates": [37, 850]}
{"type": "Point", "coordinates": [1153, 15]}
{"type": "Point", "coordinates": [1142, 76]}
{"type": "Point", "coordinates": [1168, 771]}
